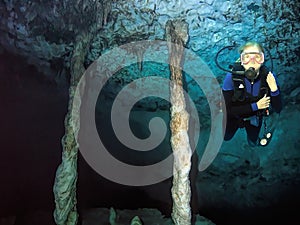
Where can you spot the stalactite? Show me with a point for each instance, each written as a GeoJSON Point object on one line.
{"type": "Point", "coordinates": [139, 51]}
{"type": "Point", "coordinates": [66, 175]}
{"type": "Point", "coordinates": [140, 55]}
{"type": "Point", "coordinates": [106, 10]}
{"type": "Point", "coordinates": [176, 33]}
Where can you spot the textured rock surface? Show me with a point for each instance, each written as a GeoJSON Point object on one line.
{"type": "Point", "coordinates": [256, 179]}
{"type": "Point", "coordinates": [123, 217]}
{"type": "Point", "coordinates": [44, 33]}
{"type": "Point", "coordinates": [176, 33]}
{"type": "Point", "coordinates": [95, 216]}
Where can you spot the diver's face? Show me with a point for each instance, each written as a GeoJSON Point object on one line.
{"type": "Point", "coordinates": [252, 57]}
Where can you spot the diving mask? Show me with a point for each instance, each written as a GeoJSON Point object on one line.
{"type": "Point", "coordinates": [247, 57]}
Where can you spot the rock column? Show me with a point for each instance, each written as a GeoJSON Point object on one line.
{"type": "Point", "coordinates": [66, 175]}
{"type": "Point", "coordinates": [177, 36]}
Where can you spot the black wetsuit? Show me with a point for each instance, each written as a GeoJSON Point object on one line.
{"type": "Point", "coordinates": [244, 113]}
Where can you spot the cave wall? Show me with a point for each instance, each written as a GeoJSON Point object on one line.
{"type": "Point", "coordinates": [43, 32]}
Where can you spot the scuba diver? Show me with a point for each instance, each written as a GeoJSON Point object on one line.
{"type": "Point", "coordinates": [250, 90]}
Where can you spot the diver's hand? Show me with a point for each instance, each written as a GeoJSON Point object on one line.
{"type": "Point", "coordinates": [272, 82]}
{"type": "Point", "coordinates": [263, 103]}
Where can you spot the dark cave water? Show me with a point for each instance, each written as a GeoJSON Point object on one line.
{"type": "Point", "coordinates": [32, 115]}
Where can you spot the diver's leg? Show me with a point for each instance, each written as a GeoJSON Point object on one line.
{"type": "Point", "coordinates": [231, 128]}
{"type": "Point", "coordinates": [252, 133]}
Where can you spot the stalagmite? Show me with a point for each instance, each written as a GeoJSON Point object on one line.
{"type": "Point", "coordinates": [176, 33]}
{"type": "Point", "coordinates": [113, 218]}
{"type": "Point", "coordinates": [66, 175]}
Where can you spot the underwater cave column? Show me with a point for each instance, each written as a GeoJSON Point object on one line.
{"type": "Point", "coordinates": [177, 36]}
{"type": "Point", "coordinates": [64, 189]}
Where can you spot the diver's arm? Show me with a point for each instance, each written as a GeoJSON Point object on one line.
{"type": "Point", "coordinates": [237, 111]}
{"type": "Point", "coordinates": [275, 92]}
{"type": "Point", "coordinates": [276, 102]}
